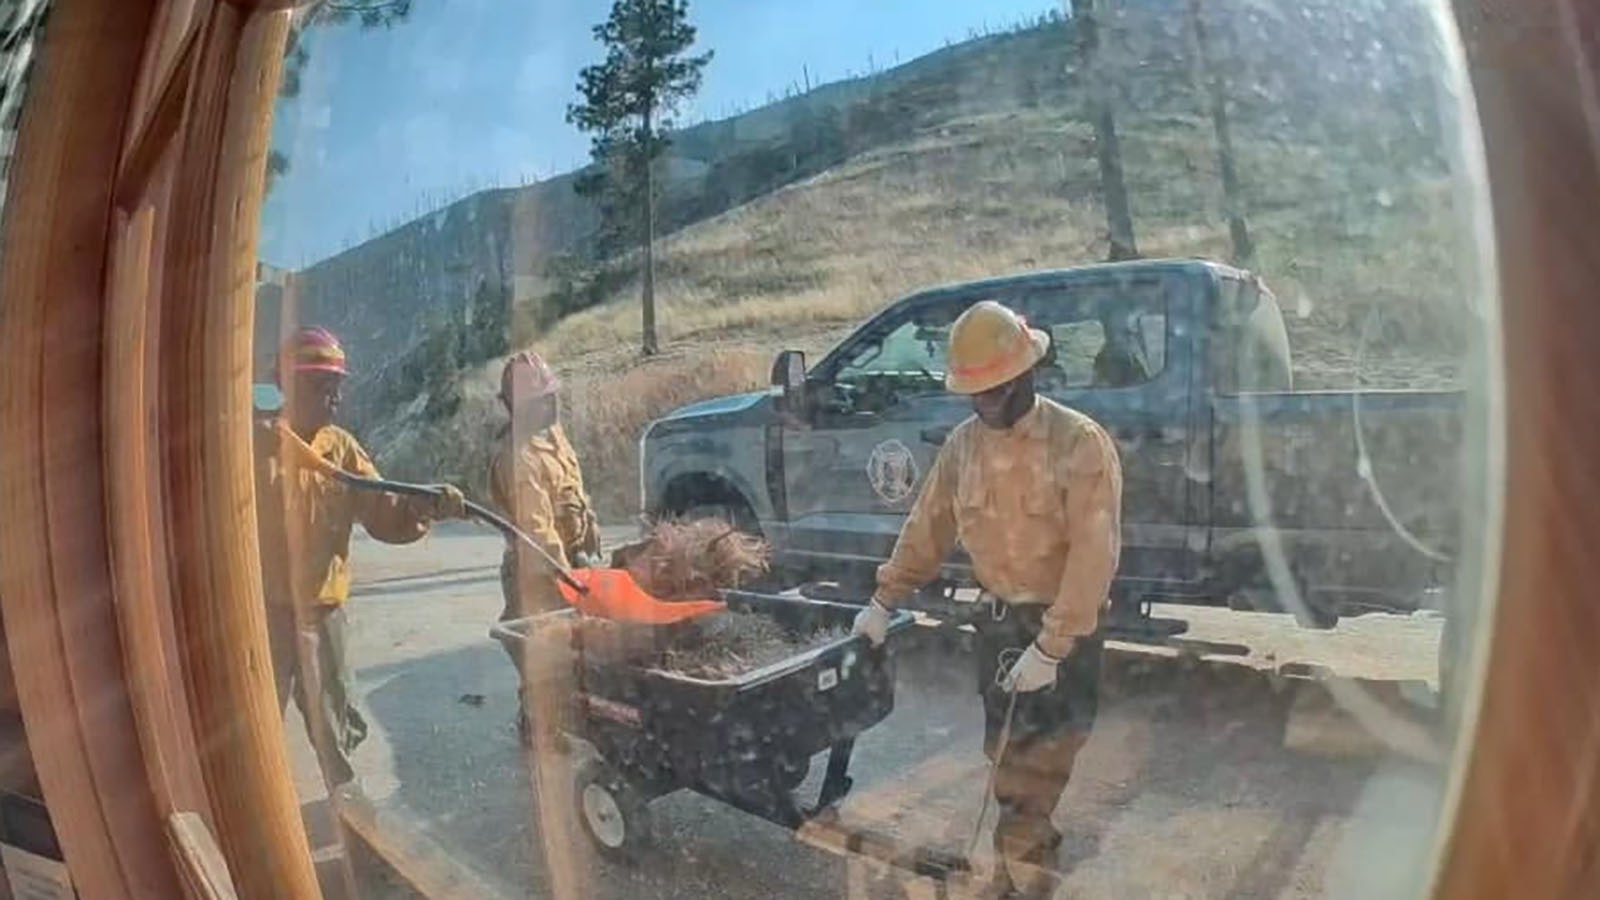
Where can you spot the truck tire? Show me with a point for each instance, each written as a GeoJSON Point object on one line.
{"type": "Point", "coordinates": [736, 515]}
{"type": "Point", "coordinates": [613, 813]}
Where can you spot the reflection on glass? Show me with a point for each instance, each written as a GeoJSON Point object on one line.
{"type": "Point", "coordinates": [1281, 368]}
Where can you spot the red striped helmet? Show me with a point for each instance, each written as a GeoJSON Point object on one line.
{"type": "Point", "coordinates": [313, 348]}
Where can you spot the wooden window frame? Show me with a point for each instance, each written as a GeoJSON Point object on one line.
{"type": "Point", "coordinates": [139, 638]}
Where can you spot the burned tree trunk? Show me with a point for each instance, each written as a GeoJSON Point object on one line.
{"type": "Point", "coordinates": [1214, 94]}
{"type": "Point", "coordinates": [1113, 187]}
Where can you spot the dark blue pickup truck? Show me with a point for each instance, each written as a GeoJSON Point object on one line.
{"type": "Point", "coordinates": [1238, 490]}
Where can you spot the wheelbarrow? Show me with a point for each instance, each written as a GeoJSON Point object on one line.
{"type": "Point", "coordinates": [746, 741]}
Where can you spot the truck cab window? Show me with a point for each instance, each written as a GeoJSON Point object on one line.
{"type": "Point", "coordinates": [1100, 336]}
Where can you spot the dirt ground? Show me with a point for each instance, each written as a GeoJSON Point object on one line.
{"type": "Point", "coordinates": [1209, 774]}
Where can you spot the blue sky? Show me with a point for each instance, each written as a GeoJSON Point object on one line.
{"type": "Point", "coordinates": [469, 94]}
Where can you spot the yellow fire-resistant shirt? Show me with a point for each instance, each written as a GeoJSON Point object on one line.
{"type": "Point", "coordinates": [305, 520]}
{"type": "Point", "coordinates": [539, 485]}
{"type": "Point", "coordinates": [1037, 507]}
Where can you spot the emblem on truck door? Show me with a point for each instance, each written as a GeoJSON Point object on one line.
{"type": "Point", "coordinates": [892, 470]}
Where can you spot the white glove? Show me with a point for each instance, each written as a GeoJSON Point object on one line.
{"type": "Point", "coordinates": [1033, 671]}
{"type": "Point", "coordinates": [872, 622]}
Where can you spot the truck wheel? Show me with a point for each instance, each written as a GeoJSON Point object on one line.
{"type": "Point", "coordinates": [614, 814]}
{"type": "Point", "coordinates": [737, 515]}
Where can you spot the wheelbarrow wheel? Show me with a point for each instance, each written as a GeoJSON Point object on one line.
{"type": "Point", "coordinates": [615, 815]}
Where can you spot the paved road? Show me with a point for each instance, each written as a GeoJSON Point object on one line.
{"type": "Point", "coordinates": [1185, 791]}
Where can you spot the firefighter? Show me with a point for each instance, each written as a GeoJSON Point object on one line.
{"type": "Point", "coordinates": [536, 482]}
{"type": "Point", "coordinates": [1032, 490]}
{"type": "Point", "coordinates": [305, 520]}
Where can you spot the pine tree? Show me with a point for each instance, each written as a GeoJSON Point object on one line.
{"type": "Point", "coordinates": [626, 106]}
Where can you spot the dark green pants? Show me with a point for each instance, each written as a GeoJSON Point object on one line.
{"type": "Point", "coordinates": [1048, 728]}
{"type": "Point", "coordinates": [335, 726]}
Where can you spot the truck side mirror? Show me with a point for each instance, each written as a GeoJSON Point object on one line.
{"type": "Point", "coordinates": [789, 374]}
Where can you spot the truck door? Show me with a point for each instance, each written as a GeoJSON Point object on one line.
{"type": "Point", "coordinates": [878, 415]}
{"type": "Point", "coordinates": [1121, 352]}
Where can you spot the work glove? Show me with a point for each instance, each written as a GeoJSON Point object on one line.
{"type": "Point", "coordinates": [447, 503]}
{"type": "Point", "coordinates": [1033, 671]}
{"type": "Point", "coordinates": [582, 560]}
{"type": "Point", "coordinates": [872, 622]}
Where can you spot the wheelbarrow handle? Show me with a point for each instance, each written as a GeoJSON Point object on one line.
{"type": "Point", "coordinates": [478, 511]}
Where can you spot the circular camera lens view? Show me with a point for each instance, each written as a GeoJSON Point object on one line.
{"type": "Point", "coordinates": [1058, 432]}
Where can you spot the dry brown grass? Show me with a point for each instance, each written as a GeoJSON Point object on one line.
{"type": "Point", "coordinates": [606, 413]}
{"type": "Point", "coordinates": [1011, 192]}
{"type": "Point", "coordinates": [1343, 244]}
{"type": "Point", "coordinates": [847, 243]}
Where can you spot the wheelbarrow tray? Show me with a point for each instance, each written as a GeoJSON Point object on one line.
{"type": "Point", "coordinates": [747, 740]}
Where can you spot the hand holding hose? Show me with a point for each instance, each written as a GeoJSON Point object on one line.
{"type": "Point", "coordinates": [447, 502]}
{"type": "Point", "coordinates": [607, 593]}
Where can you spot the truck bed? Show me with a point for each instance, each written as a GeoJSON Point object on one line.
{"type": "Point", "coordinates": [1361, 488]}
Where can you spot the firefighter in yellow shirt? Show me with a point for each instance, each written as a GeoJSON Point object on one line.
{"type": "Point", "coordinates": [1033, 491]}
{"type": "Point", "coordinates": [304, 521]}
{"type": "Point", "coordinates": [535, 481]}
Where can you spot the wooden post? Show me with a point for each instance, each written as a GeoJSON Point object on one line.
{"type": "Point", "coordinates": [205, 874]}
{"type": "Point", "coordinates": [55, 583]}
{"type": "Point", "coordinates": [1526, 803]}
{"type": "Point", "coordinates": [207, 334]}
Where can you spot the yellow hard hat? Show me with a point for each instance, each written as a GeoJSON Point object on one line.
{"type": "Point", "coordinates": [989, 346]}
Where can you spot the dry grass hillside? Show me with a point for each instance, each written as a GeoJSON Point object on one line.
{"type": "Point", "coordinates": [1005, 193]}
{"type": "Point", "coordinates": [1349, 248]}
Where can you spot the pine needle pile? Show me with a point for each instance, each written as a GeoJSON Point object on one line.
{"type": "Point", "coordinates": [731, 644]}
{"type": "Point", "coordinates": [693, 560]}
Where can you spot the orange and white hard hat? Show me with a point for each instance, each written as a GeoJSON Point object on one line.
{"type": "Point", "coordinates": [989, 346]}
{"type": "Point", "coordinates": [312, 348]}
{"type": "Point", "coordinates": [526, 375]}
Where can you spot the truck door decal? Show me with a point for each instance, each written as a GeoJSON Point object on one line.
{"type": "Point", "coordinates": [892, 471]}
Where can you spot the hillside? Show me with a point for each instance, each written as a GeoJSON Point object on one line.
{"type": "Point", "coordinates": [974, 198]}
{"type": "Point", "coordinates": [976, 161]}
{"type": "Point", "coordinates": [1322, 73]}
{"type": "Point", "coordinates": [1015, 191]}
